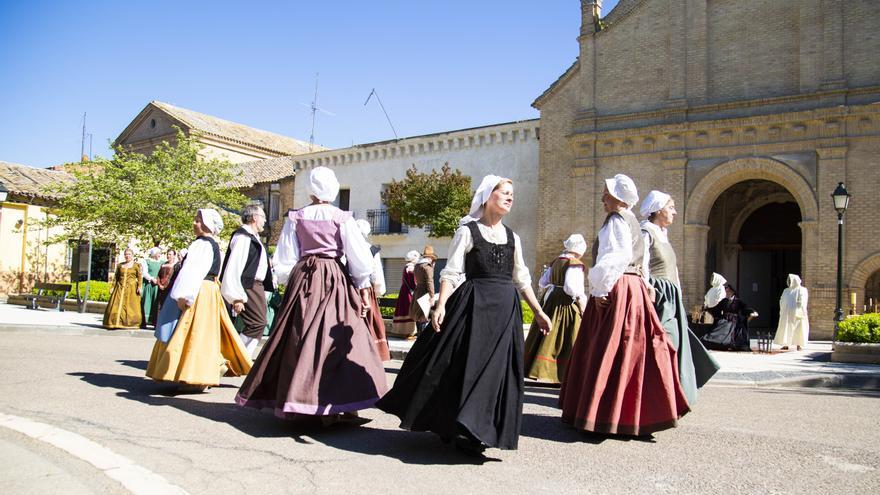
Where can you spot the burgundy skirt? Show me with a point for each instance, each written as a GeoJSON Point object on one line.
{"type": "Point", "coordinates": [623, 375]}
{"type": "Point", "coordinates": [321, 358]}
{"type": "Point", "coordinates": [377, 328]}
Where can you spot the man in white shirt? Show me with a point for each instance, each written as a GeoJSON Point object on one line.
{"type": "Point", "coordinates": [246, 276]}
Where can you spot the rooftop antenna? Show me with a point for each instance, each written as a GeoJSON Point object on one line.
{"type": "Point", "coordinates": [315, 108]}
{"type": "Point", "coordinates": [373, 92]}
{"type": "Point", "coordinates": [82, 145]}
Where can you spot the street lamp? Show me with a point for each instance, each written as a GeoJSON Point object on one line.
{"type": "Point", "coordinates": [841, 203]}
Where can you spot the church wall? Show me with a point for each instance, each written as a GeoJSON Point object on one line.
{"type": "Point", "coordinates": [862, 41]}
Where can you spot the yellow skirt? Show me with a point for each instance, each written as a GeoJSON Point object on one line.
{"type": "Point", "coordinates": [203, 341]}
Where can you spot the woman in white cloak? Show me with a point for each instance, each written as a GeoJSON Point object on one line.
{"type": "Point", "coordinates": [794, 326]}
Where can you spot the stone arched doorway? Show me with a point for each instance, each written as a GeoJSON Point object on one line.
{"type": "Point", "coordinates": [865, 282]}
{"type": "Point", "coordinates": [754, 241]}
{"type": "Point", "coordinates": [780, 185]}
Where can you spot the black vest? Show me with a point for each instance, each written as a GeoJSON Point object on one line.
{"type": "Point", "coordinates": [249, 274]}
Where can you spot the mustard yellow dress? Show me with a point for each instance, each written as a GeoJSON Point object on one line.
{"type": "Point", "coordinates": [202, 342]}
{"type": "Point", "coordinates": [124, 308]}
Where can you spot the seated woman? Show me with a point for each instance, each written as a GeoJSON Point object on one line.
{"type": "Point", "coordinates": [730, 330]}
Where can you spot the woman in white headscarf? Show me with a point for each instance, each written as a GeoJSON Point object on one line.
{"type": "Point", "coordinates": [660, 269]}
{"type": "Point", "coordinates": [196, 342]}
{"type": "Point", "coordinates": [321, 358]}
{"type": "Point", "coordinates": [464, 380]}
{"type": "Point", "coordinates": [547, 355]}
{"type": "Point", "coordinates": [730, 328]}
{"type": "Point", "coordinates": [623, 376]}
{"type": "Point", "coordinates": [377, 288]}
{"type": "Point", "coordinates": [403, 324]}
{"type": "Point", "coordinates": [794, 325]}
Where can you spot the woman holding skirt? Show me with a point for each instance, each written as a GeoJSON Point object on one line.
{"type": "Point", "coordinates": [403, 325]}
{"type": "Point", "coordinates": [623, 376]}
{"type": "Point", "coordinates": [321, 359]}
{"type": "Point", "coordinates": [377, 288]}
{"type": "Point", "coordinates": [196, 342]}
{"type": "Point", "coordinates": [547, 355]}
{"type": "Point", "coordinates": [464, 380]}
{"type": "Point", "coordinates": [695, 365]}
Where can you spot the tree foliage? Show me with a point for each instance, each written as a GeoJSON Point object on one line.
{"type": "Point", "coordinates": [436, 200]}
{"type": "Point", "coordinates": [150, 198]}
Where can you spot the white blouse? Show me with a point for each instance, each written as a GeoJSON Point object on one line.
{"type": "Point", "coordinates": [356, 249]}
{"type": "Point", "coordinates": [239, 248]}
{"type": "Point", "coordinates": [198, 262]}
{"type": "Point", "coordinates": [574, 280]}
{"type": "Point", "coordinates": [463, 242]}
{"type": "Point", "coordinates": [377, 278]}
{"type": "Point", "coordinates": [615, 254]}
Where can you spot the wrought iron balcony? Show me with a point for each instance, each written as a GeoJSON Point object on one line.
{"type": "Point", "coordinates": [382, 223]}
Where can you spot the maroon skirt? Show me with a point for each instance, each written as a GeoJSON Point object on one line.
{"type": "Point", "coordinates": [377, 328]}
{"type": "Point", "coordinates": [623, 375]}
{"type": "Point", "coordinates": [321, 358]}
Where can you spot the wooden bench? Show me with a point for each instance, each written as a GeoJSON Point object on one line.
{"type": "Point", "coordinates": [42, 295]}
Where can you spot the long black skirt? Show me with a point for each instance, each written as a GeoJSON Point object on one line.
{"type": "Point", "coordinates": [468, 378]}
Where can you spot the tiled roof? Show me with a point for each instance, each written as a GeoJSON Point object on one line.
{"type": "Point", "coordinates": [269, 170]}
{"type": "Point", "coordinates": [27, 181]}
{"type": "Point", "coordinates": [234, 131]}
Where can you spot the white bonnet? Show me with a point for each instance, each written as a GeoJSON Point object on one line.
{"type": "Point", "coordinates": [482, 195]}
{"type": "Point", "coordinates": [654, 201]}
{"type": "Point", "coordinates": [575, 244]}
{"type": "Point", "coordinates": [413, 256]}
{"type": "Point", "coordinates": [624, 189]}
{"type": "Point", "coordinates": [323, 184]}
{"type": "Point", "coordinates": [212, 220]}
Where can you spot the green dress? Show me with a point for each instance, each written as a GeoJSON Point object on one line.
{"type": "Point", "coordinates": [150, 292]}
{"type": "Point", "coordinates": [546, 356]}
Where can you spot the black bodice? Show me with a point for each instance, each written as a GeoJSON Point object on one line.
{"type": "Point", "coordinates": [215, 266]}
{"type": "Point", "coordinates": [488, 260]}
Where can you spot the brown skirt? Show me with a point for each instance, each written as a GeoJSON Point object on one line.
{"type": "Point", "coordinates": [377, 328]}
{"type": "Point", "coordinates": [320, 359]}
{"type": "Point", "coordinates": [623, 373]}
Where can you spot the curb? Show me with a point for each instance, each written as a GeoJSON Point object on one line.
{"type": "Point", "coordinates": [75, 330]}
{"type": "Point", "coordinates": [862, 381]}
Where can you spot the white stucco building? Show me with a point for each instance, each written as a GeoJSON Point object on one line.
{"type": "Point", "coordinates": [509, 150]}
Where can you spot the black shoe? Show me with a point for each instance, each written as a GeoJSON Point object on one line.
{"type": "Point", "coordinates": [469, 446]}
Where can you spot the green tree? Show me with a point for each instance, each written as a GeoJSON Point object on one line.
{"type": "Point", "coordinates": [151, 198]}
{"type": "Point", "coordinates": [436, 200]}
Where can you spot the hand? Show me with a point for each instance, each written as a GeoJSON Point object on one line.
{"type": "Point", "coordinates": [652, 294]}
{"type": "Point", "coordinates": [543, 322]}
{"type": "Point", "coordinates": [238, 307]}
{"type": "Point", "coordinates": [437, 317]}
{"type": "Point", "coordinates": [182, 304]}
{"type": "Point", "coordinates": [365, 302]}
{"type": "Point", "coordinates": [602, 302]}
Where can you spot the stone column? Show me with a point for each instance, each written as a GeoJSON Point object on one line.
{"type": "Point", "coordinates": [696, 237]}
{"type": "Point", "coordinates": [831, 169]}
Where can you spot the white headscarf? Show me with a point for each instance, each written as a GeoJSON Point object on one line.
{"type": "Point", "coordinates": [413, 256]}
{"type": "Point", "coordinates": [466, 220]}
{"type": "Point", "coordinates": [624, 189]}
{"type": "Point", "coordinates": [654, 201]}
{"type": "Point", "coordinates": [364, 226]}
{"type": "Point", "coordinates": [717, 293]}
{"type": "Point", "coordinates": [575, 244]}
{"type": "Point", "coordinates": [323, 184]}
{"type": "Point", "coordinates": [794, 281]}
{"type": "Point", "coordinates": [482, 195]}
{"type": "Point", "coordinates": [212, 220]}
{"type": "Point", "coordinates": [153, 251]}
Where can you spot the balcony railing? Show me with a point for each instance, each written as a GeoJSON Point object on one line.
{"type": "Point", "coordinates": [382, 223]}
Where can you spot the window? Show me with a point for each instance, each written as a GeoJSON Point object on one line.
{"type": "Point", "coordinates": [342, 199]}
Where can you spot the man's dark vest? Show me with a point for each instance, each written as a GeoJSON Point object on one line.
{"type": "Point", "coordinates": [248, 275]}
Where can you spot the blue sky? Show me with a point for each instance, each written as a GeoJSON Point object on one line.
{"type": "Point", "coordinates": [436, 65]}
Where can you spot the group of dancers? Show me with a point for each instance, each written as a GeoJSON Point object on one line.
{"type": "Point", "coordinates": [625, 358]}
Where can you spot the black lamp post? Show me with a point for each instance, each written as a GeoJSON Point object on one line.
{"type": "Point", "coordinates": [841, 203]}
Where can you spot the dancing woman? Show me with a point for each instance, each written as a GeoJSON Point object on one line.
{"type": "Point", "coordinates": [695, 365]}
{"type": "Point", "coordinates": [464, 379]}
{"type": "Point", "coordinates": [320, 359]}
{"type": "Point", "coordinates": [622, 377]}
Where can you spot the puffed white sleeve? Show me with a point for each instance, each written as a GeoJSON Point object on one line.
{"type": "Point", "coordinates": [544, 281]}
{"type": "Point", "coordinates": [231, 288]}
{"type": "Point", "coordinates": [574, 282]}
{"type": "Point", "coordinates": [286, 251]}
{"type": "Point", "coordinates": [646, 259]}
{"type": "Point", "coordinates": [145, 275]}
{"type": "Point", "coordinates": [615, 253]}
{"type": "Point", "coordinates": [377, 278]}
{"type": "Point", "coordinates": [462, 243]}
{"type": "Point", "coordinates": [199, 259]}
{"type": "Point", "coordinates": [521, 276]}
{"type": "Point", "coordinates": [358, 257]}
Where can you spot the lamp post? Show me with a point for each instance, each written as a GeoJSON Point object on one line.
{"type": "Point", "coordinates": [841, 203]}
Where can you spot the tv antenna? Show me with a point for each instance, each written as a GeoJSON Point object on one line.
{"type": "Point", "coordinates": [373, 92]}
{"type": "Point", "coordinates": [315, 109]}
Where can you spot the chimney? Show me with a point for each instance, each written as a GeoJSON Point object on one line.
{"type": "Point", "coordinates": [591, 12]}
